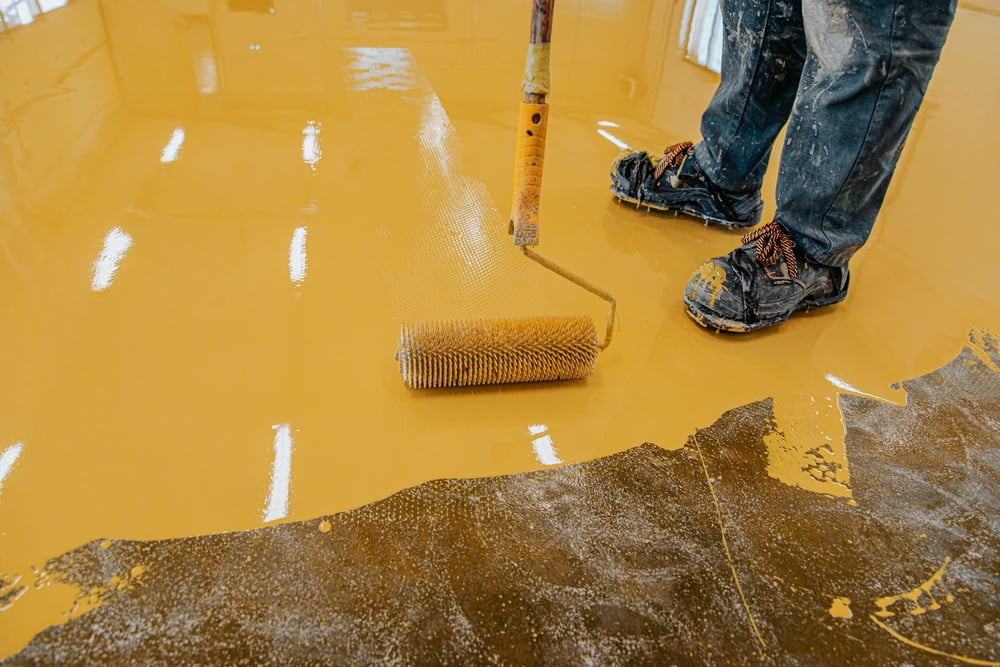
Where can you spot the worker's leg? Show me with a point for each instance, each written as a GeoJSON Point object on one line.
{"type": "Point", "coordinates": [762, 60]}
{"type": "Point", "coordinates": [719, 179]}
{"type": "Point", "coordinates": [868, 64]}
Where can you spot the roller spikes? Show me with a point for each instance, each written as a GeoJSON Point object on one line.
{"type": "Point", "coordinates": [476, 352]}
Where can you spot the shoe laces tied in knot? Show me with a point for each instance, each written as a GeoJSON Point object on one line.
{"type": "Point", "coordinates": [673, 157]}
{"type": "Point", "coordinates": [772, 242]}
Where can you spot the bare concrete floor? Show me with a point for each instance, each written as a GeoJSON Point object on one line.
{"type": "Point", "coordinates": [214, 218]}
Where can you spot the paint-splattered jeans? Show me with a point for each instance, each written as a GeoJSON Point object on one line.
{"type": "Point", "coordinates": [848, 77]}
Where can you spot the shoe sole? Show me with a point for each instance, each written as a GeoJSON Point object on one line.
{"type": "Point", "coordinates": [729, 224]}
{"type": "Point", "coordinates": [710, 320]}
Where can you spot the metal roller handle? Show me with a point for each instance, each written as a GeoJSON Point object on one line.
{"type": "Point", "coordinates": [590, 287]}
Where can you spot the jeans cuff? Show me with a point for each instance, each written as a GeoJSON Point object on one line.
{"type": "Point", "coordinates": [710, 167]}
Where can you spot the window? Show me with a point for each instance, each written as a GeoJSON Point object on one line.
{"type": "Point", "coordinates": [22, 12]}
{"type": "Point", "coordinates": [19, 12]}
{"type": "Point", "coordinates": [701, 33]}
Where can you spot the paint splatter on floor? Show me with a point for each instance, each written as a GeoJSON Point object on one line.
{"type": "Point", "coordinates": [693, 556]}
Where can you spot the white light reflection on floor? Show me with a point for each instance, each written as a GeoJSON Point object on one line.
{"type": "Point", "coordinates": [281, 474]}
{"type": "Point", "coordinates": [844, 386]}
{"type": "Point", "coordinates": [613, 139]}
{"type": "Point", "coordinates": [381, 68]}
{"type": "Point", "coordinates": [207, 74]}
{"type": "Point", "coordinates": [116, 244]}
{"type": "Point", "coordinates": [467, 213]}
{"type": "Point", "coordinates": [311, 151]}
{"type": "Point", "coordinates": [297, 260]}
{"type": "Point", "coordinates": [545, 451]}
{"type": "Point", "coordinates": [7, 461]}
{"type": "Point", "coordinates": [173, 147]}
{"type": "Point", "coordinates": [434, 135]}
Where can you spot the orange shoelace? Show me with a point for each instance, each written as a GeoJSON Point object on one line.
{"type": "Point", "coordinates": [673, 157]}
{"type": "Point", "coordinates": [771, 242]}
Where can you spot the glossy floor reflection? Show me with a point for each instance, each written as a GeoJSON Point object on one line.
{"type": "Point", "coordinates": [215, 215]}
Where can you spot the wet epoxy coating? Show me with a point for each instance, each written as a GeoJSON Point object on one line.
{"type": "Point", "coordinates": [215, 216]}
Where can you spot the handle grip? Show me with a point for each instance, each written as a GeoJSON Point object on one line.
{"type": "Point", "coordinates": [532, 124]}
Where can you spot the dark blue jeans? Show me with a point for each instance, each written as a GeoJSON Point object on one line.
{"type": "Point", "coordinates": [847, 76]}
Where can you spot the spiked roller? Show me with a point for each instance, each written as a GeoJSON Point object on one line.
{"type": "Point", "coordinates": [475, 352]}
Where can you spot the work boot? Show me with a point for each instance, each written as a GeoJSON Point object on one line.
{"type": "Point", "coordinates": [676, 182]}
{"type": "Point", "coordinates": [761, 283]}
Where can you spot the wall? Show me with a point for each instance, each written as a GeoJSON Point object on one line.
{"type": "Point", "coordinates": [58, 97]}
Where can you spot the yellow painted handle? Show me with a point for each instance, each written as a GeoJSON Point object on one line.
{"type": "Point", "coordinates": [532, 122]}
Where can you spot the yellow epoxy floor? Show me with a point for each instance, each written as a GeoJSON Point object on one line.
{"type": "Point", "coordinates": [208, 143]}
